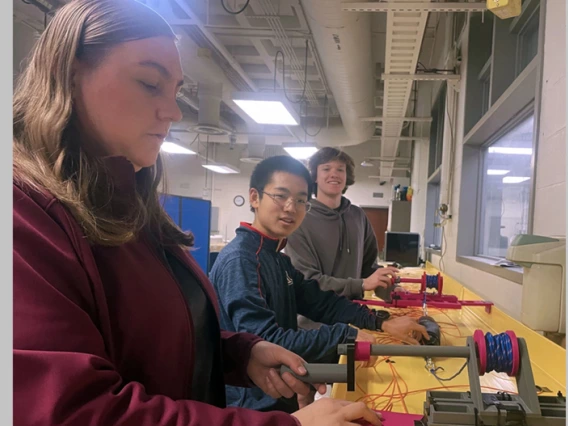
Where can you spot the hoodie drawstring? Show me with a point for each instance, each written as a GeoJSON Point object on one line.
{"type": "Point", "coordinates": [344, 231]}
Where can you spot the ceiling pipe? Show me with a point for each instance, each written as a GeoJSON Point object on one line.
{"type": "Point", "coordinates": [343, 41]}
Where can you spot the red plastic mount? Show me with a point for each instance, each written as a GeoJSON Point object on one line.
{"type": "Point", "coordinates": [516, 354]}
{"type": "Point", "coordinates": [362, 351]}
{"type": "Point", "coordinates": [479, 339]}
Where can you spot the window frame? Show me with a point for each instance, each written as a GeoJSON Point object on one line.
{"type": "Point", "coordinates": [521, 116]}
{"type": "Point", "coordinates": [492, 126]}
{"type": "Point", "coordinates": [521, 39]}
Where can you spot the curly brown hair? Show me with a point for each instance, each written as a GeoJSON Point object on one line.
{"type": "Point", "coordinates": [326, 155]}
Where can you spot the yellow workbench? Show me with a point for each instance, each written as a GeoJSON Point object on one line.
{"type": "Point", "coordinates": [399, 384]}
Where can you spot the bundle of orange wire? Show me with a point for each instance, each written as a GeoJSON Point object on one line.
{"type": "Point", "coordinates": [397, 389]}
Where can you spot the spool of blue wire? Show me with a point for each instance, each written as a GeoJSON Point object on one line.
{"type": "Point", "coordinates": [499, 353]}
{"type": "Point", "coordinates": [432, 281]}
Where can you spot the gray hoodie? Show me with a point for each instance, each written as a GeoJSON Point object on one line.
{"type": "Point", "coordinates": [336, 247]}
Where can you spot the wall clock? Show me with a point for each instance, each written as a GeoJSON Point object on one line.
{"type": "Point", "coordinates": [239, 201]}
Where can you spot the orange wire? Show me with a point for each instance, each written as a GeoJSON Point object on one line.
{"type": "Point", "coordinates": [393, 393]}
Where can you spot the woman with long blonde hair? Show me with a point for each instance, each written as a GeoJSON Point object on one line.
{"type": "Point", "coordinates": [114, 322]}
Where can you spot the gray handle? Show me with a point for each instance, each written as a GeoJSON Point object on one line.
{"type": "Point", "coordinates": [320, 373]}
{"type": "Point", "coordinates": [417, 351]}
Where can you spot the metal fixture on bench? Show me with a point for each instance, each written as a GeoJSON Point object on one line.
{"type": "Point", "coordinates": [401, 298]}
{"type": "Point", "coordinates": [503, 353]}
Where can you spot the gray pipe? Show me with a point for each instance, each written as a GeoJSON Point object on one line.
{"type": "Point", "coordinates": [415, 351]}
{"type": "Point", "coordinates": [320, 373]}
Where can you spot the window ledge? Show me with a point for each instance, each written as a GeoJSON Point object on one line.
{"type": "Point", "coordinates": [514, 274]}
{"type": "Point", "coordinates": [434, 251]}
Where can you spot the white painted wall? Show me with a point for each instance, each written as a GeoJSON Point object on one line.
{"type": "Point", "coordinates": [186, 177]}
{"type": "Point", "coordinates": [361, 193]}
{"type": "Point", "coordinates": [550, 199]}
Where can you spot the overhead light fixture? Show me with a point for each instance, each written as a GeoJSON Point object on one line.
{"type": "Point", "coordinates": [515, 179]}
{"type": "Point", "coordinates": [300, 151]}
{"type": "Point", "coordinates": [174, 148]}
{"type": "Point", "coordinates": [221, 168]}
{"type": "Point", "coordinates": [509, 150]}
{"type": "Point", "coordinates": [267, 108]}
{"type": "Point", "coordinates": [496, 172]}
{"type": "Point", "coordinates": [367, 164]}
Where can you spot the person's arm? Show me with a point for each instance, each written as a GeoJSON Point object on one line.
{"type": "Point", "coordinates": [370, 250]}
{"type": "Point", "coordinates": [304, 259]}
{"type": "Point", "coordinates": [240, 294]}
{"type": "Point", "coordinates": [236, 349]}
{"type": "Point", "coordinates": [370, 254]}
{"type": "Point", "coordinates": [62, 372]}
{"type": "Point", "coordinates": [329, 308]}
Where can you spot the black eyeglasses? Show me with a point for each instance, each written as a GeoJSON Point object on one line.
{"type": "Point", "coordinates": [284, 201]}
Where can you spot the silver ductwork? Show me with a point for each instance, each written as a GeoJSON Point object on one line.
{"type": "Point", "coordinates": [343, 41]}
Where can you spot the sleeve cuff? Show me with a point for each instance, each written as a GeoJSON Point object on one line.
{"type": "Point", "coordinates": [356, 289]}
{"type": "Point", "coordinates": [352, 332]}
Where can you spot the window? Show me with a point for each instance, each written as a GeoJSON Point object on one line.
{"type": "Point", "coordinates": [437, 131]}
{"type": "Point", "coordinates": [484, 78]}
{"type": "Point", "coordinates": [433, 234]}
{"type": "Point", "coordinates": [505, 189]}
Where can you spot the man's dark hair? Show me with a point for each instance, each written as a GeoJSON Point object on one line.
{"type": "Point", "coordinates": [263, 172]}
{"type": "Point", "coordinates": [326, 155]}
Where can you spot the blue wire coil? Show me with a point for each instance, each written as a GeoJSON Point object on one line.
{"type": "Point", "coordinates": [499, 353]}
{"type": "Point", "coordinates": [432, 281]}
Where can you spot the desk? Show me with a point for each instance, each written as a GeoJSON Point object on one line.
{"type": "Point", "coordinates": [400, 383]}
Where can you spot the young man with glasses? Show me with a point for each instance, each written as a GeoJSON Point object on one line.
{"type": "Point", "coordinates": [260, 292]}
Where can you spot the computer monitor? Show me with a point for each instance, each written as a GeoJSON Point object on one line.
{"type": "Point", "coordinates": [402, 248]}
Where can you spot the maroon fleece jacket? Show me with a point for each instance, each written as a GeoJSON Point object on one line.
{"type": "Point", "coordinates": [103, 336]}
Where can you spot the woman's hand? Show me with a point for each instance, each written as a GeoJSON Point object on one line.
{"type": "Point", "coordinates": [264, 370]}
{"type": "Point", "coordinates": [335, 412]}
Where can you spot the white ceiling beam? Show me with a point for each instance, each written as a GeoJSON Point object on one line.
{"type": "Point", "coordinates": [420, 77]}
{"type": "Point", "coordinates": [413, 7]}
{"type": "Point", "coordinates": [215, 42]}
{"type": "Point", "coordinates": [388, 158]}
{"type": "Point", "coordinates": [399, 119]}
{"type": "Point", "coordinates": [399, 138]}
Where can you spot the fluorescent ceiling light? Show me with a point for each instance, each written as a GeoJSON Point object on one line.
{"type": "Point", "coordinates": [496, 172]}
{"type": "Point", "coordinates": [221, 168]}
{"type": "Point", "coordinates": [174, 148]}
{"type": "Point", "coordinates": [515, 179]}
{"type": "Point", "coordinates": [367, 163]}
{"type": "Point", "coordinates": [267, 108]}
{"type": "Point", "coordinates": [300, 152]}
{"type": "Point", "coordinates": [508, 150]}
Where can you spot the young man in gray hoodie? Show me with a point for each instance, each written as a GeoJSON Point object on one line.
{"type": "Point", "coordinates": [335, 244]}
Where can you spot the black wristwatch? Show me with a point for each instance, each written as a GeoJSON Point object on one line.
{"type": "Point", "coordinates": [381, 316]}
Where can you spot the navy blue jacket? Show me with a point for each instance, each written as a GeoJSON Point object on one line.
{"type": "Point", "coordinates": [260, 292]}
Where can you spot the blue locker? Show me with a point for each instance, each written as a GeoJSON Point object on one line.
{"type": "Point", "coordinates": [196, 217]}
{"type": "Point", "coordinates": [192, 214]}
